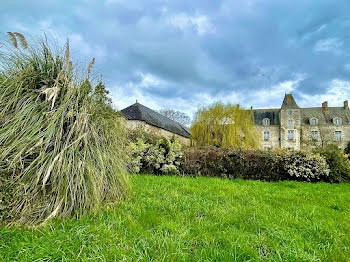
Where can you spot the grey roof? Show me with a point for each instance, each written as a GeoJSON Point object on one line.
{"type": "Point", "coordinates": [324, 116]}
{"type": "Point", "coordinates": [151, 117]}
{"type": "Point", "coordinates": [289, 102]}
{"type": "Point", "coordinates": [272, 114]}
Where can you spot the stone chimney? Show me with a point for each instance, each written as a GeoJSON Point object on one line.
{"type": "Point", "coordinates": [325, 105]}
{"type": "Point", "coordinates": [346, 104]}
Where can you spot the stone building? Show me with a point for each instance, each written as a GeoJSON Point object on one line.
{"type": "Point", "coordinates": [299, 128]}
{"type": "Point", "coordinates": [140, 116]}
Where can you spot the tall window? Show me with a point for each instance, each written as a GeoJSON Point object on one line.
{"type": "Point", "coordinates": [337, 122]}
{"type": "Point", "coordinates": [290, 134]}
{"type": "Point", "coordinates": [338, 136]}
{"type": "Point", "coordinates": [266, 122]}
{"type": "Point", "coordinates": [313, 121]}
{"type": "Point", "coordinates": [266, 135]}
{"type": "Point", "coordinates": [314, 135]}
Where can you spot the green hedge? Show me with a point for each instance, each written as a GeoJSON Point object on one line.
{"type": "Point", "coordinates": [338, 162]}
{"type": "Point", "coordinates": [255, 164]}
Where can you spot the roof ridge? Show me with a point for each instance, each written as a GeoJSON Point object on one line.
{"type": "Point", "coordinates": [141, 112]}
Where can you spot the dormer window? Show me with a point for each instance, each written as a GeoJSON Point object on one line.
{"type": "Point", "coordinates": [266, 122]}
{"type": "Point", "coordinates": [313, 121]}
{"type": "Point", "coordinates": [337, 121]}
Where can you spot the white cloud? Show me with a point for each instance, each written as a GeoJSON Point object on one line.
{"type": "Point", "coordinates": [150, 80]}
{"type": "Point", "coordinates": [338, 92]}
{"type": "Point", "coordinates": [329, 45]}
{"type": "Point", "coordinates": [201, 23]}
{"type": "Point", "coordinates": [271, 97]}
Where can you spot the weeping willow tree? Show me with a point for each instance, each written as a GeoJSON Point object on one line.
{"type": "Point", "coordinates": [60, 141]}
{"type": "Point", "coordinates": [224, 126]}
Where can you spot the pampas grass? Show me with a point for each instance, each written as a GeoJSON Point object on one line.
{"type": "Point", "coordinates": [59, 156]}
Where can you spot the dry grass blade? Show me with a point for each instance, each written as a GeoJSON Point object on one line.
{"type": "Point", "coordinates": [90, 66]}
{"type": "Point", "coordinates": [67, 52]}
{"type": "Point", "coordinates": [56, 143]}
{"type": "Point", "coordinates": [13, 39]}
{"type": "Point", "coordinates": [22, 39]}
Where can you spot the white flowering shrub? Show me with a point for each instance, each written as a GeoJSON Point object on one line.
{"type": "Point", "coordinates": [162, 157]}
{"type": "Point", "coordinates": [135, 152]}
{"type": "Point", "coordinates": [305, 166]}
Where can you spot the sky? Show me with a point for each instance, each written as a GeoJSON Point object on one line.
{"type": "Point", "coordinates": [183, 54]}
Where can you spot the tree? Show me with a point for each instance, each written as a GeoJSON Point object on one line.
{"type": "Point", "coordinates": [224, 126]}
{"type": "Point", "coordinates": [177, 116]}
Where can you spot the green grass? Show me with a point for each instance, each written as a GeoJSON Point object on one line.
{"type": "Point", "coordinates": [199, 219]}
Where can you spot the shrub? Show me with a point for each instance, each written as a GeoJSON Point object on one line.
{"type": "Point", "coordinates": [140, 133]}
{"type": "Point", "coordinates": [254, 164]}
{"type": "Point", "coordinates": [305, 166]}
{"type": "Point", "coordinates": [60, 141]}
{"type": "Point", "coordinates": [338, 163]}
{"type": "Point", "coordinates": [162, 157]}
{"type": "Point", "coordinates": [204, 162]}
{"type": "Point", "coordinates": [347, 149]}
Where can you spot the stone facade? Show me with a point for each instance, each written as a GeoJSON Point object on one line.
{"type": "Point", "coordinates": [301, 128]}
{"type": "Point", "coordinates": [153, 130]}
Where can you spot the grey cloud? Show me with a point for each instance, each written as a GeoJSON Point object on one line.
{"type": "Point", "coordinates": [257, 44]}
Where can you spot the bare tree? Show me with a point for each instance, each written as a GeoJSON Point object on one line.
{"type": "Point", "coordinates": [177, 116]}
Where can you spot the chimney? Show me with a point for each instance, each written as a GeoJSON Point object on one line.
{"type": "Point", "coordinates": [325, 105]}
{"type": "Point", "coordinates": [346, 104]}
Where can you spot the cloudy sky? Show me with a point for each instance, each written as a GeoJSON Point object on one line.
{"type": "Point", "coordinates": [184, 54]}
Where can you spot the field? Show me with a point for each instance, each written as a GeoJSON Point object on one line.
{"type": "Point", "coordinates": [199, 219]}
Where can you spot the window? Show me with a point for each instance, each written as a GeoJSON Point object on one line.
{"type": "Point", "coordinates": [266, 122]}
{"type": "Point", "coordinates": [290, 134]}
{"type": "Point", "coordinates": [314, 135]}
{"type": "Point", "coordinates": [313, 121]}
{"type": "Point", "coordinates": [338, 136]}
{"type": "Point", "coordinates": [266, 135]}
{"type": "Point", "coordinates": [337, 121]}
{"type": "Point", "coordinates": [290, 112]}
{"type": "Point", "coordinates": [290, 122]}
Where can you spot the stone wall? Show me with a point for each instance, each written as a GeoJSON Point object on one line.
{"type": "Point", "coordinates": [326, 135]}
{"type": "Point", "coordinates": [302, 133]}
{"type": "Point", "coordinates": [134, 124]}
{"type": "Point", "coordinates": [290, 121]}
{"type": "Point", "coordinates": [274, 141]}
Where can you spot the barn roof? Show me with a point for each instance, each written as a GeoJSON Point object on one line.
{"type": "Point", "coordinates": [151, 117]}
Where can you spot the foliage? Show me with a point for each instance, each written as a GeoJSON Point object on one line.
{"type": "Point", "coordinates": [337, 161]}
{"type": "Point", "coordinates": [59, 155]}
{"type": "Point", "coordinates": [255, 164]}
{"type": "Point", "coordinates": [170, 218]}
{"type": "Point", "coordinates": [177, 116]}
{"type": "Point", "coordinates": [162, 157]}
{"type": "Point", "coordinates": [224, 126]}
{"type": "Point", "coordinates": [305, 166]}
{"type": "Point", "coordinates": [134, 135]}
{"type": "Point", "coordinates": [347, 149]}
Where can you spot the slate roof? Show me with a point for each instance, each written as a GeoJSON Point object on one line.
{"type": "Point", "coordinates": [272, 114]}
{"type": "Point", "coordinates": [324, 116]}
{"type": "Point", "coordinates": [289, 102]}
{"type": "Point", "coordinates": [151, 117]}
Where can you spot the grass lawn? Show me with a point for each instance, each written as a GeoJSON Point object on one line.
{"type": "Point", "coordinates": [199, 219]}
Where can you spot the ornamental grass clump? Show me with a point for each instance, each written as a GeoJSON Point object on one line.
{"type": "Point", "coordinates": [60, 140]}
